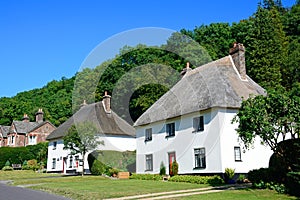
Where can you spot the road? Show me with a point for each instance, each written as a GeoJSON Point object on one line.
{"type": "Point", "coordinates": [18, 193]}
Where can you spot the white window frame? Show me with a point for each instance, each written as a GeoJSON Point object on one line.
{"type": "Point", "coordinates": [170, 129]}
{"type": "Point", "coordinates": [200, 158]}
{"type": "Point", "coordinates": [237, 154]}
{"type": "Point", "coordinates": [149, 162]}
{"type": "Point", "coordinates": [148, 134]}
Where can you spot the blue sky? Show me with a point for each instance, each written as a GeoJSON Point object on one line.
{"type": "Point", "coordinates": [45, 40]}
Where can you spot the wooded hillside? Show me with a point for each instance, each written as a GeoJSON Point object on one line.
{"type": "Point", "coordinates": [271, 37]}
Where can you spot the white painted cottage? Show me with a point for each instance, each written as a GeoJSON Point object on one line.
{"type": "Point", "coordinates": [191, 123]}
{"type": "Point", "coordinates": [116, 133]}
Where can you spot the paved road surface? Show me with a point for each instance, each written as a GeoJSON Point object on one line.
{"type": "Point", "coordinates": [18, 193]}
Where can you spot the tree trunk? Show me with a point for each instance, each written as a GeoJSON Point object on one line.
{"type": "Point", "coordinates": [83, 155]}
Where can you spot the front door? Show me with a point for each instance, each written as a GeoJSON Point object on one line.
{"type": "Point", "coordinates": [172, 158]}
{"type": "Point", "coordinates": [64, 165]}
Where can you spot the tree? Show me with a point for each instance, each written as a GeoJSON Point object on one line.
{"type": "Point", "coordinates": [267, 48]}
{"type": "Point", "coordinates": [82, 139]}
{"type": "Point", "coordinates": [273, 118]}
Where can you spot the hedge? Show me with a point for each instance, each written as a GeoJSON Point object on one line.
{"type": "Point", "coordinates": [211, 180]}
{"type": "Point", "coordinates": [153, 177]}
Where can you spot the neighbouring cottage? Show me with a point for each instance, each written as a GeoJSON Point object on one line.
{"type": "Point", "coordinates": [23, 133]}
{"type": "Point", "coordinates": [116, 133]}
{"type": "Point", "coordinates": [191, 123]}
{"type": "Point", "coordinates": [3, 135]}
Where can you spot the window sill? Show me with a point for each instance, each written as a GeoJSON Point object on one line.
{"type": "Point", "coordinates": [149, 170]}
{"type": "Point", "coordinates": [169, 136]}
{"type": "Point", "coordinates": [198, 168]}
{"type": "Point", "coordinates": [238, 161]}
{"type": "Point", "coordinates": [148, 140]}
{"type": "Point", "coordinates": [197, 131]}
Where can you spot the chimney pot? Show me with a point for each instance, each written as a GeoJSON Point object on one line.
{"type": "Point", "coordinates": [237, 53]}
{"type": "Point", "coordinates": [106, 102]}
{"type": "Point", "coordinates": [25, 118]}
{"type": "Point", "coordinates": [185, 70]}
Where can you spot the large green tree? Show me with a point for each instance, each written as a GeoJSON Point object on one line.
{"type": "Point", "coordinates": [271, 118]}
{"type": "Point", "coordinates": [81, 139]}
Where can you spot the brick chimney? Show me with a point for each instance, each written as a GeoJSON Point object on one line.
{"type": "Point", "coordinates": [106, 102]}
{"type": "Point", "coordinates": [39, 115]}
{"type": "Point", "coordinates": [185, 70]}
{"type": "Point", "coordinates": [237, 53]}
{"type": "Point", "coordinates": [25, 118]}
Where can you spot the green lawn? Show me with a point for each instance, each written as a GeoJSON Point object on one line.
{"type": "Point", "coordinates": [96, 187]}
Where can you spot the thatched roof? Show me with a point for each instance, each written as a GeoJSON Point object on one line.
{"type": "Point", "coordinates": [216, 84]}
{"type": "Point", "coordinates": [107, 122]}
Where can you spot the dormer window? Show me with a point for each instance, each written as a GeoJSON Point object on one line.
{"type": "Point", "coordinates": [170, 129]}
{"type": "Point", "coordinates": [198, 124]}
{"type": "Point", "coordinates": [148, 134]}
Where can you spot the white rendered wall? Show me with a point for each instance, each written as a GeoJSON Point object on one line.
{"type": "Point", "coordinates": [218, 138]}
{"type": "Point", "coordinates": [183, 144]}
{"type": "Point", "coordinates": [254, 158]}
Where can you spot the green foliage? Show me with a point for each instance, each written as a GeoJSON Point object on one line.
{"type": "Point", "coordinates": [273, 117]}
{"type": "Point", "coordinates": [257, 176]}
{"type": "Point", "coordinates": [174, 168]}
{"type": "Point", "coordinates": [124, 161]}
{"type": "Point", "coordinates": [7, 168]}
{"type": "Point", "coordinates": [293, 183]}
{"type": "Point", "coordinates": [153, 177]}
{"type": "Point", "coordinates": [162, 170]}
{"type": "Point", "coordinates": [229, 174]}
{"type": "Point", "coordinates": [17, 155]}
{"type": "Point", "coordinates": [98, 168]}
{"type": "Point", "coordinates": [241, 178]}
{"type": "Point", "coordinates": [113, 171]}
{"type": "Point", "coordinates": [82, 138]}
{"type": "Point", "coordinates": [212, 180]}
{"type": "Point", "coordinates": [7, 163]}
{"type": "Point", "coordinates": [280, 188]}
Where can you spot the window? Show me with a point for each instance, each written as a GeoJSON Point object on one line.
{"type": "Point", "coordinates": [12, 139]}
{"type": "Point", "coordinates": [198, 124]}
{"type": "Point", "coordinates": [148, 134]}
{"type": "Point", "coordinates": [237, 154]}
{"type": "Point", "coordinates": [54, 145]}
{"type": "Point", "coordinates": [71, 162]}
{"type": "Point", "coordinates": [32, 139]}
{"type": "Point", "coordinates": [170, 128]}
{"type": "Point", "coordinates": [53, 163]}
{"type": "Point", "coordinates": [149, 162]}
{"type": "Point", "coordinates": [200, 158]}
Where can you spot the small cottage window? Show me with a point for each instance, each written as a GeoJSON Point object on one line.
{"type": "Point", "coordinates": [149, 162]}
{"type": "Point", "coordinates": [148, 134]}
{"type": "Point", "coordinates": [200, 162]}
{"type": "Point", "coordinates": [32, 139]}
{"type": "Point", "coordinates": [71, 162]}
{"type": "Point", "coordinates": [54, 145]}
{"type": "Point", "coordinates": [237, 154]}
{"type": "Point", "coordinates": [198, 124]}
{"type": "Point", "coordinates": [53, 163]}
{"type": "Point", "coordinates": [170, 129]}
{"type": "Point", "coordinates": [12, 139]}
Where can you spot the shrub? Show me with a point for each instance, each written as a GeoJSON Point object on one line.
{"type": "Point", "coordinates": [174, 168]}
{"type": "Point", "coordinates": [293, 183]}
{"type": "Point", "coordinates": [153, 177]}
{"type": "Point", "coordinates": [229, 174]}
{"type": "Point", "coordinates": [259, 175]}
{"type": "Point", "coordinates": [162, 170]}
{"type": "Point", "coordinates": [212, 180]}
{"type": "Point", "coordinates": [98, 168]}
{"type": "Point", "coordinates": [7, 163]}
{"type": "Point", "coordinates": [241, 178]}
{"type": "Point", "coordinates": [7, 168]}
{"type": "Point", "coordinates": [113, 171]}
{"type": "Point", "coordinates": [31, 165]}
